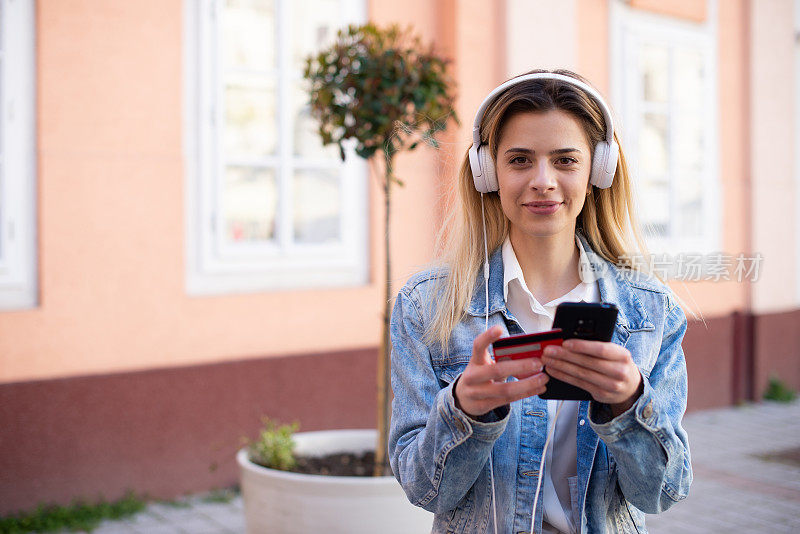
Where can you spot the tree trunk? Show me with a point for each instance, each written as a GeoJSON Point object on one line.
{"type": "Point", "coordinates": [384, 351]}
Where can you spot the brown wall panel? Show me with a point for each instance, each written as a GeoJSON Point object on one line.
{"type": "Point", "coordinates": [709, 362]}
{"type": "Point", "coordinates": [165, 432]}
{"type": "Point", "coordinates": [777, 344]}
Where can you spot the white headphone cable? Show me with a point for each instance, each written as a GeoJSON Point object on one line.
{"type": "Point", "coordinates": [541, 464]}
{"type": "Point", "coordinates": [486, 327]}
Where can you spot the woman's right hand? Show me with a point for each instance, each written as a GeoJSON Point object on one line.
{"type": "Point", "coordinates": [482, 386]}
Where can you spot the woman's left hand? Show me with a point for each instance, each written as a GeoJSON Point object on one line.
{"type": "Point", "coordinates": [604, 369]}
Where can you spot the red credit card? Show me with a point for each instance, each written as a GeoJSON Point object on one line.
{"type": "Point", "coordinates": [525, 346]}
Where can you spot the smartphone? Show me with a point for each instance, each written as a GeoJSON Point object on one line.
{"type": "Point", "coordinates": [584, 320]}
{"type": "Point", "coordinates": [525, 346]}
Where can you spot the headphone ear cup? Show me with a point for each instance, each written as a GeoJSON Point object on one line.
{"type": "Point", "coordinates": [604, 164]}
{"type": "Point", "coordinates": [478, 174]}
{"type": "Point", "coordinates": [489, 172]}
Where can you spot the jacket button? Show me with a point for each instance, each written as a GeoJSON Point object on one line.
{"type": "Point", "coordinates": [647, 412]}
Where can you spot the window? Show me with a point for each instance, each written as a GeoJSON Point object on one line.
{"type": "Point", "coordinates": [664, 87]}
{"type": "Point", "coordinates": [269, 206]}
{"type": "Point", "coordinates": [17, 157]}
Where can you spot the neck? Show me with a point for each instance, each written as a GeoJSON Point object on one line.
{"type": "Point", "coordinates": [549, 263]}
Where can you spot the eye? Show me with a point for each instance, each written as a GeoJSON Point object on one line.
{"type": "Point", "coordinates": [519, 160]}
{"type": "Point", "coordinates": [566, 161]}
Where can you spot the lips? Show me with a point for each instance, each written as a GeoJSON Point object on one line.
{"type": "Point", "coordinates": [542, 208]}
{"type": "Point", "coordinates": [541, 204]}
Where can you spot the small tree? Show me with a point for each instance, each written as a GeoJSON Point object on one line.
{"type": "Point", "coordinates": [385, 91]}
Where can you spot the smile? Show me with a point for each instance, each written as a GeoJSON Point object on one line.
{"type": "Point", "coordinates": [544, 208]}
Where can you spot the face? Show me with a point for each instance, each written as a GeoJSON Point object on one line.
{"type": "Point", "coordinates": [542, 158]}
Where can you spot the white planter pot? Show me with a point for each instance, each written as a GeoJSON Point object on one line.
{"type": "Point", "coordinates": [282, 502]}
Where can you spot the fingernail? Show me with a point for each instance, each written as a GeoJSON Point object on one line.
{"type": "Point", "coordinates": [567, 344]}
{"type": "Point", "coordinates": [549, 351]}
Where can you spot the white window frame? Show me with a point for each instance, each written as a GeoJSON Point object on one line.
{"type": "Point", "coordinates": [628, 26]}
{"type": "Point", "coordinates": [18, 263]}
{"type": "Point", "coordinates": [214, 269]}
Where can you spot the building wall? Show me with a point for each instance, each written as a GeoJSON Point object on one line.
{"type": "Point", "coordinates": [111, 212]}
{"type": "Point", "coordinates": [772, 131]}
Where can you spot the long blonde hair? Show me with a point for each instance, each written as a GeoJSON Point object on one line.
{"type": "Point", "coordinates": [608, 218]}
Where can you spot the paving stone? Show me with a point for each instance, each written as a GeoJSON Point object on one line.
{"type": "Point", "coordinates": [164, 528]}
{"type": "Point", "coordinates": [114, 527]}
{"type": "Point", "coordinates": [202, 525]}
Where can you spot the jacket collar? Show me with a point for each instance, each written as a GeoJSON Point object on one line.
{"type": "Point", "coordinates": [615, 287]}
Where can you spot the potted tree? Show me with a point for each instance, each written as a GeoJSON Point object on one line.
{"type": "Point", "coordinates": [385, 92]}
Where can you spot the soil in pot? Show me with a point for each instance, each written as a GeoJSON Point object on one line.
{"type": "Point", "coordinates": [346, 464]}
{"type": "Point", "coordinates": [341, 464]}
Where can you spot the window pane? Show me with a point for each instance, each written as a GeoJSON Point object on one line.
{"type": "Point", "coordinates": [250, 120]}
{"type": "Point", "coordinates": [690, 205]}
{"type": "Point", "coordinates": [307, 141]}
{"type": "Point", "coordinates": [690, 72]}
{"type": "Point", "coordinates": [250, 203]}
{"type": "Point", "coordinates": [653, 146]}
{"type": "Point", "coordinates": [249, 35]}
{"type": "Point", "coordinates": [654, 68]}
{"type": "Point", "coordinates": [314, 26]}
{"type": "Point", "coordinates": [317, 206]}
{"type": "Point", "coordinates": [690, 147]}
{"type": "Point", "coordinates": [654, 209]}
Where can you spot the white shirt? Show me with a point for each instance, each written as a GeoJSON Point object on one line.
{"type": "Point", "coordinates": [561, 466]}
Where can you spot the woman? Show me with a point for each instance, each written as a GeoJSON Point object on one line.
{"type": "Point", "coordinates": [467, 442]}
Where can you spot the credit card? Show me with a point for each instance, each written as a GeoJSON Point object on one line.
{"type": "Point", "coordinates": [525, 346]}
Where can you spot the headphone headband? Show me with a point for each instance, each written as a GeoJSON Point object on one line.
{"type": "Point", "coordinates": [476, 128]}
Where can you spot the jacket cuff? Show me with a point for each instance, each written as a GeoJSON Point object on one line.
{"type": "Point", "coordinates": [464, 426]}
{"type": "Point", "coordinates": [641, 414]}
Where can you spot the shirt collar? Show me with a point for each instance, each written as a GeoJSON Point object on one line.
{"type": "Point", "coordinates": [512, 270]}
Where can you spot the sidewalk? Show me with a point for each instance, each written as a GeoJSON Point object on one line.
{"type": "Point", "coordinates": [736, 488]}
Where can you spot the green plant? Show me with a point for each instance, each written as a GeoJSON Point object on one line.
{"type": "Point", "coordinates": [386, 91]}
{"type": "Point", "coordinates": [224, 495]}
{"type": "Point", "coordinates": [77, 516]}
{"type": "Point", "coordinates": [778, 391]}
{"type": "Point", "coordinates": [274, 447]}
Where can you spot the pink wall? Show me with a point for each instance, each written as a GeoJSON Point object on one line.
{"type": "Point", "coordinates": [111, 179]}
{"type": "Point", "coordinates": [687, 9]}
{"type": "Point", "coordinates": [772, 133]}
{"type": "Point", "coordinates": [593, 53]}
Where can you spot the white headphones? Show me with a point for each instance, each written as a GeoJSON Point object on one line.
{"type": "Point", "coordinates": [606, 153]}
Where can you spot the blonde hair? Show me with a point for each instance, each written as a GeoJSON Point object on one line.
{"type": "Point", "coordinates": [608, 218]}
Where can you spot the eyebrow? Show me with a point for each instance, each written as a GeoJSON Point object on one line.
{"type": "Point", "coordinates": [552, 153]}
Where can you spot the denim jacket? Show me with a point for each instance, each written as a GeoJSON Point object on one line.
{"type": "Point", "coordinates": [635, 463]}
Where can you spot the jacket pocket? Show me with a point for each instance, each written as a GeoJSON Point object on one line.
{"type": "Point", "coordinates": [636, 516]}
{"type": "Point", "coordinates": [627, 518]}
{"type": "Point", "coordinates": [447, 373]}
{"type": "Point", "coordinates": [459, 518]}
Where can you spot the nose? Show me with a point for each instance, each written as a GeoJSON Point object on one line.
{"type": "Point", "coordinates": [543, 177]}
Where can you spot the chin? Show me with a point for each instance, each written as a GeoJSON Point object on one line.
{"type": "Point", "coordinates": [544, 229]}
